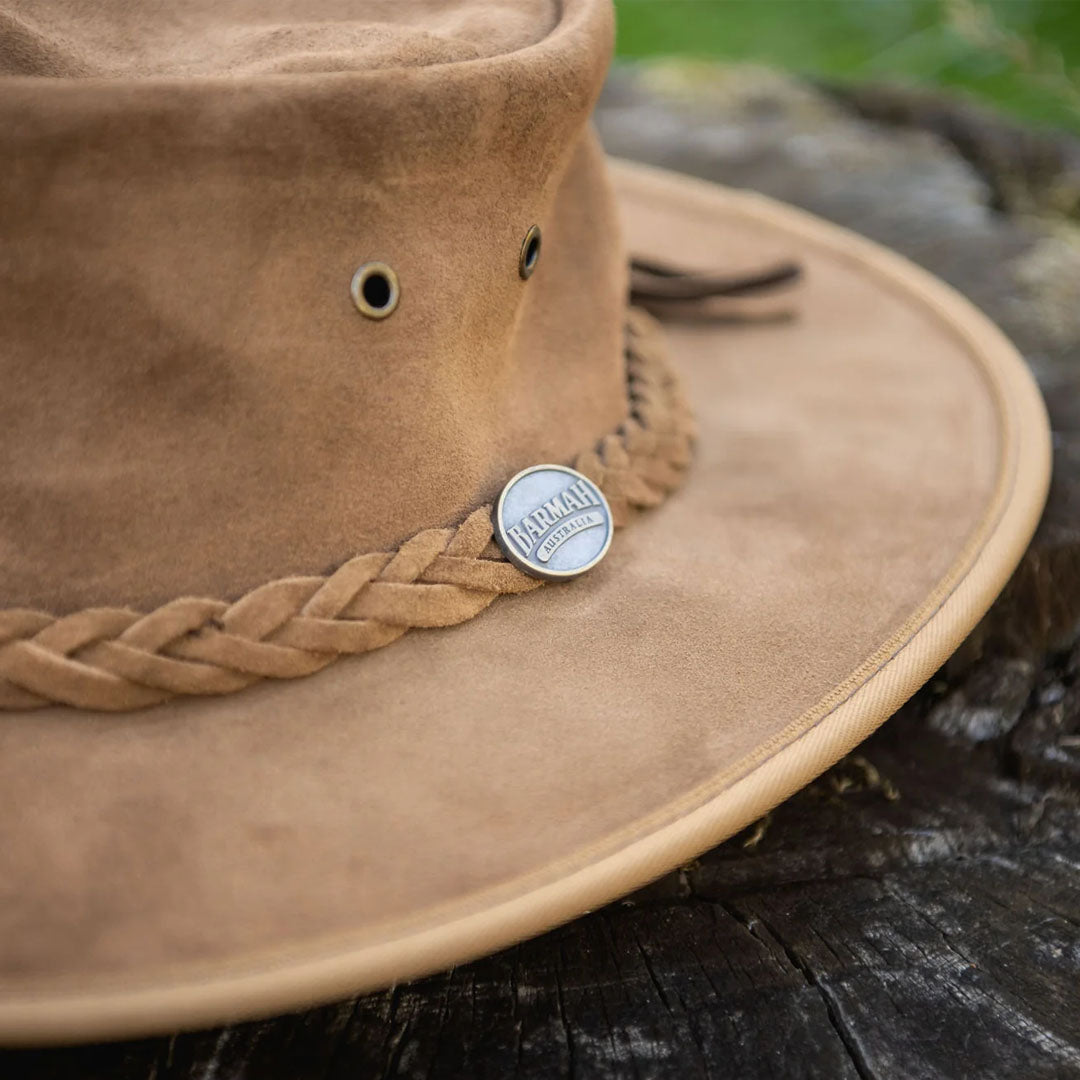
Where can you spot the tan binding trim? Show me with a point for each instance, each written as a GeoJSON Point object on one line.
{"type": "Point", "coordinates": [118, 659]}
{"type": "Point", "coordinates": [272, 981]}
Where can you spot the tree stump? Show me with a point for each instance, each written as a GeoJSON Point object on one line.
{"type": "Point", "coordinates": [915, 913]}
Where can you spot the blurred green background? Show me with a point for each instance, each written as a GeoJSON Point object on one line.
{"type": "Point", "coordinates": [1020, 57]}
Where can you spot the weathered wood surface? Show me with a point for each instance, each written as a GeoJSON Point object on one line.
{"type": "Point", "coordinates": [916, 912]}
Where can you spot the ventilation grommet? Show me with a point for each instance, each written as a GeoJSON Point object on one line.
{"type": "Point", "coordinates": [530, 253]}
{"type": "Point", "coordinates": [375, 290]}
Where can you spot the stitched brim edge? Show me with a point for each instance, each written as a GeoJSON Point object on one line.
{"type": "Point", "coordinates": [294, 979]}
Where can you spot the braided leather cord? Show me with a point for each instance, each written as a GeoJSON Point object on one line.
{"type": "Point", "coordinates": [118, 659]}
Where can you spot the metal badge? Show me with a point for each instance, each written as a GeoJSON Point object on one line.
{"type": "Point", "coordinates": [552, 522]}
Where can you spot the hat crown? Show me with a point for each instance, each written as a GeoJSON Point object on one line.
{"type": "Point", "coordinates": [194, 403]}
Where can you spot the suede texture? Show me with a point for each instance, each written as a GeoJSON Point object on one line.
{"type": "Point", "coordinates": [187, 191]}
{"type": "Point", "coordinates": [193, 405]}
{"type": "Point", "coordinates": [845, 460]}
{"type": "Point", "coordinates": [119, 659]}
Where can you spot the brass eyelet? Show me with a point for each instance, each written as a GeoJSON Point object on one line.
{"type": "Point", "coordinates": [530, 253]}
{"type": "Point", "coordinates": [375, 290]}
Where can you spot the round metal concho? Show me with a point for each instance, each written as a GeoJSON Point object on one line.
{"type": "Point", "coordinates": [552, 522]}
{"type": "Point", "coordinates": [375, 290]}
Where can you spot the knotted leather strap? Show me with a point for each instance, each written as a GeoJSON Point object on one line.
{"type": "Point", "coordinates": [119, 659]}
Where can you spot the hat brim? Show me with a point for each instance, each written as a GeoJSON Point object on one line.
{"type": "Point", "coordinates": [867, 478]}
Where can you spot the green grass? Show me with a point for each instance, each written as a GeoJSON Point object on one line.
{"type": "Point", "coordinates": [1021, 57]}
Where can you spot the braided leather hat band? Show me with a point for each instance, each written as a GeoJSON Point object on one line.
{"type": "Point", "coordinates": [118, 659]}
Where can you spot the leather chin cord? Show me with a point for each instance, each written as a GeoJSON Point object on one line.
{"type": "Point", "coordinates": [672, 293]}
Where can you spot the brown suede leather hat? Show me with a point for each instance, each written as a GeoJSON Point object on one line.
{"type": "Point", "coordinates": [289, 295]}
